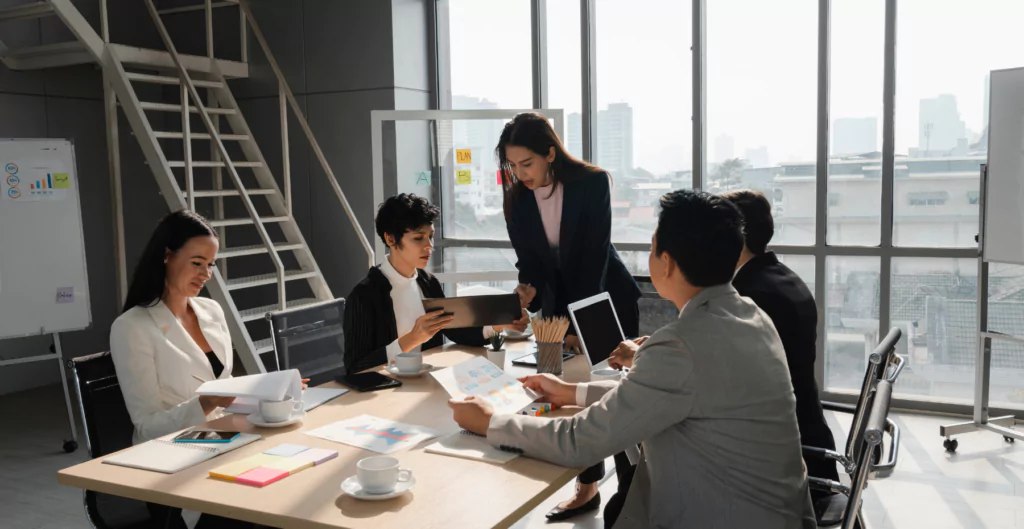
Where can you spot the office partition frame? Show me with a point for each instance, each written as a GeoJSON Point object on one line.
{"type": "Point", "coordinates": [885, 252]}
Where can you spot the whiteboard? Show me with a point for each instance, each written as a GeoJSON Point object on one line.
{"type": "Point", "coordinates": [1004, 191]}
{"type": "Point", "coordinates": [43, 282]}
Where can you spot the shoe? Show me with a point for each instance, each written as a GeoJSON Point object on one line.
{"type": "Point", "coordinates": [558, 513]}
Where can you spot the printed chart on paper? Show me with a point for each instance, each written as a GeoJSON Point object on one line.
{"type": "Point", "coordinates": [482, 379]}
{"type": "Point", "coordinates": [375, 434]}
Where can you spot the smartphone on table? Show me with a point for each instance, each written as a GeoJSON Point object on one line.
{"type": "Point", "coordinates": [205, 436]}
{"type": "Point", "coordinates": [371, 381]}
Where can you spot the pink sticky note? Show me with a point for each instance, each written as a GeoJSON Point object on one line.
{"type": "Point", "coordinates": [261, 477]}
{"type": "Point", "coordinates": [316, 455]}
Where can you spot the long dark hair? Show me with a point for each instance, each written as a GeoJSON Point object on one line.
{"type": "Point", "coordinates": [532, 131]}
{"type": "Point", "coordinates": [151, 273]}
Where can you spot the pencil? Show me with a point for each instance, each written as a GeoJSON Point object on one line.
{"type": "Point", "coordinates": [199, 379]}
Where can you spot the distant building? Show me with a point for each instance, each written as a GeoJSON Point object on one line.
{"type": "Point", "coordinates": [574, 134]}
{"type": "Point", "coordinates": [939, 125]}
{"type": "Point", "coordinates": [615, 139]}
{"type": "Point", "coordinates": [757, 157]}
{"type": "Point", "coordinates": [725, 148]}
{"type": "Point", "coordinates": [854, 136]}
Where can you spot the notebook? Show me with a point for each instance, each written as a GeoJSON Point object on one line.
{"type": "Point", "coordinates": [469, 445]}
{"type": "Point", "coordinates": [164, 455]}
{"type": "Point", "coordinates": [311, 398]}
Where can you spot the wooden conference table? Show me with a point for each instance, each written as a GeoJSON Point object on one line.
{"type": "Point", "coordinates": [450, 492]}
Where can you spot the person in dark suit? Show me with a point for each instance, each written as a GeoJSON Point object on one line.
{"type": "Point", "coordinates": [559, 217]}
{"type": "Point", "coordinates": [384, 314]}
{"type": "Point", "coordinates": [785, 298]}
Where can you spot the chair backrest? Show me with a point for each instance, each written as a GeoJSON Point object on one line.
{"type": "Point", "coordinates": [878, 365]}
{"type": "Point", "coordinates": [877, 424]}
{"type": "Point", "coordinates": [108, 427]}
{"type": "Point", "coordinates": [311, 339]}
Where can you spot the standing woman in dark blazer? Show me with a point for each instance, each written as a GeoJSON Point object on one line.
{"type": "Point", "coordinates": [559, 217]}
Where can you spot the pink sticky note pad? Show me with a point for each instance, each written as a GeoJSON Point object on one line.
{"type": "Point", "coordinates": [261, 477]}
{"type": "Point", "coordinates": [316, 455]}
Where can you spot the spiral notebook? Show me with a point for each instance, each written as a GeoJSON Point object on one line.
{"type": "Point", "coordinates": [469, 445]}
{"type": "Point", "coordinates": [164, 455]}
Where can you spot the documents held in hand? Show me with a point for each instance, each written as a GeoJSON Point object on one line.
{"type": "Point", "coordinates": [266, 386]}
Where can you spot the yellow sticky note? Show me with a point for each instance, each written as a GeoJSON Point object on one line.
{"type": "Point", "coordinates": [61, 181]}
{"type": "Point", "coordinates": [463, 156]}
{"type": "Point", "coordinates": [463, 177]}
{"type": "Point", "coordinates": [291, 465]}
{"type": "Point", "coordinates": [231, 470]}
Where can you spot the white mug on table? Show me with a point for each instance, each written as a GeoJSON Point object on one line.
{"type": "Point", "coordinates": [279, 410]}
{"type": "Point", "coordinates": [380, 474]}
{"type": "Point", "coordinates": [409, 362]}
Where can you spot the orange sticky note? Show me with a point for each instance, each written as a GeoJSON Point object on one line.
{"type": "Point", "coordinates": [463, 156]}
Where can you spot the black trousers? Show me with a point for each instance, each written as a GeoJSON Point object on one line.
{"type": "Point", "coordinates": [164, 517]}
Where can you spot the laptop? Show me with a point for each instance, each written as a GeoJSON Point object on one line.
{"type": "Point", "coordinates": [598, 327]}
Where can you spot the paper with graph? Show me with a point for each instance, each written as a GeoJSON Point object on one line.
{"type": "Point", "coordinates": [482, 379]}
{"type": "Point", "coordinates": [375, 434]}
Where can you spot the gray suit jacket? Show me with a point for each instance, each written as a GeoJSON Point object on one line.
{"type": "Point", "coordinates": [709, 398]}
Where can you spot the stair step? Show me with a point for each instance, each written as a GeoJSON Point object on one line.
{"type": "Point", "coordinates": [257, 249]}
{"type": "Point", "coordinates": [199, 136]}
{"type": "Point", "coordinates": [214, 193]}
{"type": "Point", "coordinates": [218, 223]}
{"type": "Point", "coordinates": [26, 11]}
{"type": "Point", "coordinates": [265, 345]}
{"type": "Point", "coordinates": [48, 56]}
{"type": "Point", "coordinates": [148, 58]}
{"type": "Point", "coordinates": [164, 79]}
{"type": "Point", "coordinates": [257, 313]}
{"type": "Point", "coordinates": [208, 163]}
{"type": "Point", "coordinates": [169, 107]}
{"type": "Point", "coordinates": [268, 279]}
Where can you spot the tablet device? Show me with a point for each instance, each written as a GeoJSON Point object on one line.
{"type": "Point", "coordinates": [478, 311]}
{"type": "Point", "coordinates": [597, 326]}
{"type": "Point", "coordinates": [205, 436]}
{"type": "Point", "coordinates": [371, 381]}
{"type": "Point", "coordinates": [531, 359]}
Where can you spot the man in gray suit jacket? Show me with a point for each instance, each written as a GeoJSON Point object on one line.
{"type": "Point", "coordinates": [709, 396]}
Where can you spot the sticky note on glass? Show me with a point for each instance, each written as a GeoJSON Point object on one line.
{"type": "Point", "coordinates": [61, 181]}
{"type": "Point", "coordinates": [463, 156]}
{"type": "Point", "coordinates": [498, 176]}
{"type": "Point", "coordinates": [66, 295]}
{"type": "Point", "coordinates": [463, 177]}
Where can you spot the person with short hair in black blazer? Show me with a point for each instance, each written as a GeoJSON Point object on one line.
{"type": "Point", "coordinates": [781, 294]}
{"type": "Point", "coordinates": [559, 217]}
{"type": "Point", "coordinates": [384, 314]}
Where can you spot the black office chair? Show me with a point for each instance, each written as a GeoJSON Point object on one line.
{"type": "Point", "coordinates": [311, 339]}
{"type": "Point", "coordinates": [108, 428]}
{"type": "Point", "coordinates": [884, 365]}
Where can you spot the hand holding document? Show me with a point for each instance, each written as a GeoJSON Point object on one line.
{"type": "Point", "coordinates": [274, 386]}
{"type": "Point", "coordinates": [482, 379]}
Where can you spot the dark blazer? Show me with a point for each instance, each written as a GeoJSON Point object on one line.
{"type": "Point", "coordinates": [782, 295]}
{"type": "Point", "coordinates": [370, 321]}
{"type": "Point", "coordinates": [587, 261]}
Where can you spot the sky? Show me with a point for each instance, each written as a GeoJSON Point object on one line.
{"type": "Point", "coordinates": [761, 65]}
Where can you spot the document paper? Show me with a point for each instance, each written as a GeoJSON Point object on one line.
{"type": "Point", "coordinates": [482, 379]}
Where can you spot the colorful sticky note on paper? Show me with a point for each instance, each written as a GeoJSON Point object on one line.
{"type": "Point", "coordinates": [463, 177]}
{"type": "Point", "coordinates": [291, 465]}
{"type": "Point", "coordinates": [286, 450]}
{"type": "Point", "coordinates": [463, 156]}
{"type": "Point", "coordinates": [261, 477]}
{"type": "Point", "coordinates": [317, 455]}
{"type": "Point", "coordinates": [232, 470]}
{"type": "Point", "coordinates": [61, 181]}
{"type": "Point", "coordinates": [66, 295]}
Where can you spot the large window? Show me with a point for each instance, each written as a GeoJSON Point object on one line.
{"type": "Point", "coordinates": [489, 46]}
{"type": "Point", "coordinates": [761, 110]}
{"type": "Point", "coordinates": [644, 101]}
{"type": "Point", "coordinates": [851, 319]}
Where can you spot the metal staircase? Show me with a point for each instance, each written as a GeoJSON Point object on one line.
{"type": "Point", "coordinates": [233, 182]}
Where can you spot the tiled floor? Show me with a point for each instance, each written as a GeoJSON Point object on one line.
{"type": "Point", "coordinates": [981, 486]}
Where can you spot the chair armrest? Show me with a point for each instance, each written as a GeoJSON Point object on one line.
{"type": "Point", "coordinates": [827, 485]}
{"type": "Point", "coordinates": [884, 470]}
{"type": "Point", "coordinates": [813, 452]}
{"type": "Point", "coordinates": [836, 406]}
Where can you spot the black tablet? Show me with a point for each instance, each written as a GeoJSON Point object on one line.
{"type": "Point", "coordinates": [531, 359]}
{"type": "Point", "coordinates": [371, 381]}
{"type": "Point", "coordinates": [478, 311]}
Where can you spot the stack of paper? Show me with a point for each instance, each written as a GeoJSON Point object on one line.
{"type": "Point", "coordinates": [266, 386]}
{"type": "Point", "coordinates": [468, 445]}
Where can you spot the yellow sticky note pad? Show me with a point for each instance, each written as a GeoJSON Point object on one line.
{"type": "Point", "coordinates": [232, 470]}
{"type": "Point", "coordinates": [291, 465]}
{"type": "Point", "coordinates": [61, 181]}
{"type": "Point", "coordinates": [463, 156]}
{"type": "Point", "coordinates": [464, 177]}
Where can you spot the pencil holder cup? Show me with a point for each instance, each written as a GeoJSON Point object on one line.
{"type": "Point", "coordinates": [549, 358]}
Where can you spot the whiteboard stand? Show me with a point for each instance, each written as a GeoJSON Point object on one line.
{"type": "Point", "coordinates": [58, 355]}
{"type": "Point", "coordinates": [983, 358]}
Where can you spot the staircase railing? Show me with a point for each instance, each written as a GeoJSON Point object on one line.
{"type": "Point", "coordinates": [189, 89]}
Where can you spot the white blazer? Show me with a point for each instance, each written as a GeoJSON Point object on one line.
{"type": "Point", "coordinates": [155, 359]}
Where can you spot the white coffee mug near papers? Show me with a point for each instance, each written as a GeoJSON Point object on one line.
{"type": "Point", "coordinates": [279, 410]}
{"type": "Point", "coordinates": [409, 362]}
{"type": "Point", "coordinates": [380, 474]}
{"type": "Point", "coordinates": [605, 373]}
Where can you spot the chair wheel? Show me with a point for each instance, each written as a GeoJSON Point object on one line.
{"type": "Point", "coordinates": [950, 445]}
{"type": "Point", "coordinates": [70, 446]}
{"type": "Point", "coordinates": [1008, 439]}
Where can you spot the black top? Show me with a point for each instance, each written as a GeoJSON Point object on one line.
{"type": "Point", "coordinates": [585, 263]}
{"type": "Point", "coordinates": [215, 364]}
{"type": "Point", "coordinates": [370, 321]}
{"type": "Point", "coordinates": [784, 297]}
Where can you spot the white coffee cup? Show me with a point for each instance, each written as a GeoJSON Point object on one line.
{"type": "Point", "coordinates": [279, 410]}
{"type": "Point", "coordinates": [605, 373]}
{"type": "Point", "coordinates": [409, 362]}
{"type": "Point", "coordinates": [496, 357]}
{"type": "Point", "coordinates": [380, 474]}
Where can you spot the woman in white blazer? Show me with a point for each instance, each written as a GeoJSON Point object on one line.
{"type": "Point", "coordinates": [167, 335]}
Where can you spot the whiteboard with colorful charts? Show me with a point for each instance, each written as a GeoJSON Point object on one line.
{"type": "Point", "coordinates": [43, 283]}
{"type": "Point", "coordinates": [1004, 193]}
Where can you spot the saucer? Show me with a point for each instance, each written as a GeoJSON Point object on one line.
{"type": "Point", "coordinates": [425, 368]}
{"type": "Point", "coordinates": [352, 487]}
{"type": "Point", "coordinates": [256, 419]}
